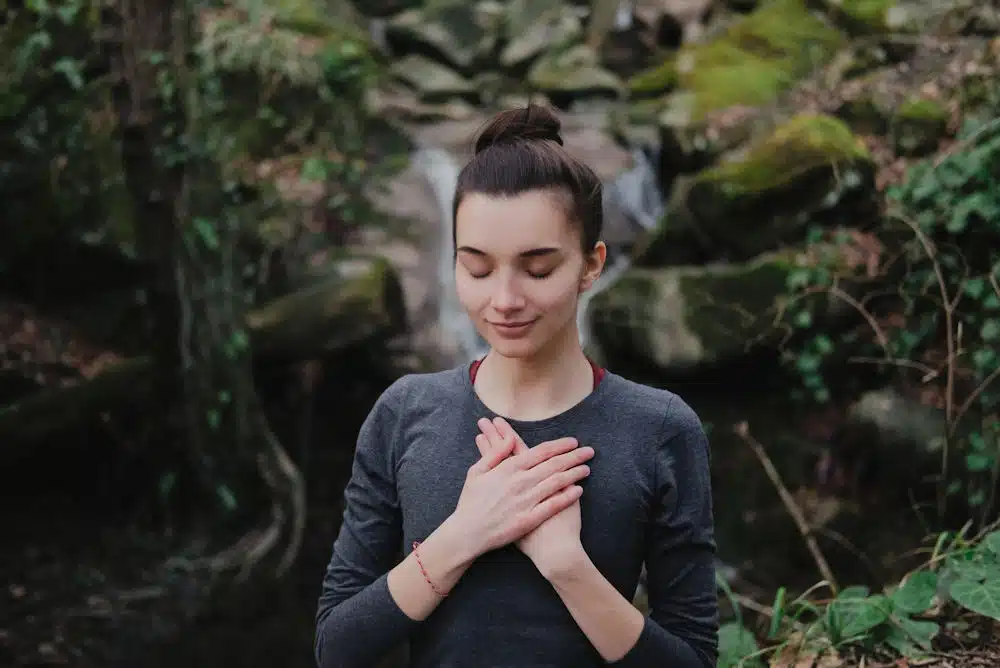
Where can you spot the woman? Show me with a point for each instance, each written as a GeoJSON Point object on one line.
{"type": "Point", "coordinates": [525, 535]}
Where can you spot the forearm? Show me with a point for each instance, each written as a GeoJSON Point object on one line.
{"type": "Point", "coordinates": [608, 619]}
{"type": "Point", "coordinates": [445, 556]}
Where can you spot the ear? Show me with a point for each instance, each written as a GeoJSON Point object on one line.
{"type": "Point", "coordinates": [593, 265]}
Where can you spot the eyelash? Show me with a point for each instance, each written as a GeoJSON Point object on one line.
{"type": "Point", "coordinates": [537, 277]}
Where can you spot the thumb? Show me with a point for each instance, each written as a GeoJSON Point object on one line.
{"type": "Point", "coordinates": [508, 434]}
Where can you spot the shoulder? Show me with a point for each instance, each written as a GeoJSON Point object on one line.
{"type": "Point", "coordinates": [414, 391]}
{"type": "Point", "coordinates": [645, 404]}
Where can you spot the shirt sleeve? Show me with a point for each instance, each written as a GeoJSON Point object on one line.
{"type": "Point", "coordinates": [358, 622]}
{"type": "Point", "coordinates": [682, 628]}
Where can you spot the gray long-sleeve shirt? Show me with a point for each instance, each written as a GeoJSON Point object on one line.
{"type": "Point", "coordinates": [647, 500]}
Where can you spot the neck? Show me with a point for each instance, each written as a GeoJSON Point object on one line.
{"type": "Point", "coordinates": [540, 386]}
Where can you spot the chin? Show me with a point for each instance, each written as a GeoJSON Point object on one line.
{"type": "Point", "coordinates": [514, 349]}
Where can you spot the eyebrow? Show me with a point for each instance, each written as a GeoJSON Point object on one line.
{"type": "Point", "coordinates": [534, 252]}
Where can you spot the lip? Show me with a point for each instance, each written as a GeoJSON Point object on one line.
{"type": "Point", "coordinates": [513, 329]}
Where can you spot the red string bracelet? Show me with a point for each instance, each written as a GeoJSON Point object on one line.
{"type": "Point", "coordinates": [416, 555]}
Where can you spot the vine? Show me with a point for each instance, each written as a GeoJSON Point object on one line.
{"type": "Point", "coordinates": [933, 320]}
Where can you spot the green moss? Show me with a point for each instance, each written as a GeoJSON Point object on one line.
{"type": "Point", "coordinates": [922, 110]}
{"type": "Point", "coordinates": [758, 57]}
{"type": "Point", "coordinates": [732, 308]}
{"type": "Point", "coordinates": [918, 126]}
{"type": "Point", "coordinates": [864, 14]}
{"type": "Point", "coordinates": [654, 81]}
{"type": "Point", "coordinates": [800, 145]}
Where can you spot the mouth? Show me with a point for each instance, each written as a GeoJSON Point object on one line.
{"type": "Point", "coordinates": [513, 328]}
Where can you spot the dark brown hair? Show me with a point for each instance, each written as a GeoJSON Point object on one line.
{"type": "Point", "coordinates": [521, 150]}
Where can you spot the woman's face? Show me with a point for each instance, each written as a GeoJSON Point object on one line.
{"type": "Point", "coordinates": [519, 269]}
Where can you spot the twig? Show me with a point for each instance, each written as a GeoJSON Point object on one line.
{"type": "Point", "coordinates": [930, 373]}
{"type": "Point", "coordinates": [948, 305]}
{"type": "Point", "coordinates": [742, 430]}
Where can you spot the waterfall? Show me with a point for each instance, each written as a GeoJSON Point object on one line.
{"type": "Point", "coordinates": [634, 192]}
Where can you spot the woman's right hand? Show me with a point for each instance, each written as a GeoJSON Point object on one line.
{"type": "Point", "coordinates": [505, 497]}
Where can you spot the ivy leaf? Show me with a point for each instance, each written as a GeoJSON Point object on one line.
{"type": "Point", "coordinates": [979, 206]}
{"type": "Point", "coordinates": [992, 542]}
{"type": "Point", "coordinates": [977, 463]}
{"type": "Point", "coordinates": [862, 615]}
{"type": "Point", "coordinates": [735, 644]}
{"type": "Point", "coordinates": [981, 597]}
{"type": "Point", "coordinates": [990, 331]}
{"type": "Point", "coordinates": [916, 593]}
{"type": "Point", "coordinates": [70, 69]}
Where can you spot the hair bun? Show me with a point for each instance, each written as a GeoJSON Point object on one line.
{"type": "Point", "coordinates": [531, 123]}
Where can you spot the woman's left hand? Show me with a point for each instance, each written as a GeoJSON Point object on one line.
{"type": "Point", "coordinates": [554, 546]}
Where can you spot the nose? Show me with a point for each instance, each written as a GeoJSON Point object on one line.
{"type": "Point", "coordinates": [507, 296]}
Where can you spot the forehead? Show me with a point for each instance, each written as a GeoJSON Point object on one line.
{"type": "Point", "coordinates": [501, 225]}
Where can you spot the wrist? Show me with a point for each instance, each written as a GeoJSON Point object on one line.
{"type": "Point", "coordinates": [459, 540]}
{"type": "Point", "coordinates": [568, 567]}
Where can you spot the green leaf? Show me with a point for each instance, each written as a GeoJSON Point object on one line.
{"type": "Point", "coordinates": [735, 644]}
{"type": "Point", "coordinates": [981, 597]}
{"type": "Point", "coordinates": [206, 231]}
{"type": "Point", "coordinates": [227, 497]}
{"type": "Point", "coordinates": [977, 463]}
{"type": "Point", "coordinates": [991, 330]}
{"type": "Point", "coordinates": [992, 542]}
{"type": "Point", "coordinates": [977, 206]}
{"type": "Point", "coordinates": [973, 571]}
{"type": "Point", "coordinates": [975, 288]}
{"type": "Point", "coordinates": [779, 613]}
{"type": "Point", "coordinates": [859, 616]}
{"type": "Point", "coordinates": [916, 593]}
{"type": "Point", "coordinates": [314, 169]}
{"type": "Point", "coordinates": [921, 631]}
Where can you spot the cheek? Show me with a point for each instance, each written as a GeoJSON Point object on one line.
{"type": "Point", "coordinates": [558, 294]}
{"type": "Point", "coordinates": [471, 293]}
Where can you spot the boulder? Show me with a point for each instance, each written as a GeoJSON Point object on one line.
{"type": "Point", "coordinates": [810, 170]}
{"type": "Point", "coordinates": [860, 16]}
{"type": "Point", "coordinates": [383, 8]}
{"type": "Point", "coordinates": [572, 74]}
{"type": "Point", "coordinates": [432, 81]}
{"type": "Point", "coordinates": [678, 319]}
{"type": "Point", "coordinates": [675, 21]}
{"type": "Point", "coordinates": [898, 422]}
{"type": "Point", "coordinates": [918, 126]}
{"type": "Point", "coordinates": [535, 26]}
{"type": "Point", "coordinates": [947, 18]}
{"type": "Point", "coordinates": [460, 34]}
{"type": "Point", "coordinates": [752, 60]}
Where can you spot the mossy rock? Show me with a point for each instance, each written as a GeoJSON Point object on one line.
{"type": "Point", "coordinates": [680, 318]}
{"type": "Point", "coordinates": [810, 170]}
{"type": "Point", "coordinates": [654, 81]}
{"type": "Point", "coordinates": [756, 58]}
{"type": "Point", "coordinates": [432, 81]}
{"type": "Point", "coordinates": [865, 115]}
{"type": "Point", "coordinates": [462, 35]}
{"type": "Point", "coordinates": [533, 27]}
{"type": "Point", "coordinates": [918, 127]}
{"type": "Point", "coordinates": [861, 16]}
{"type": "Point", "coordinates": [572, 74]}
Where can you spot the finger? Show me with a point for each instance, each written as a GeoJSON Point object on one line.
{"type": "Point", "coordinates": [543, 451]}
{"type": "Point", "coordinates": [559, 463]}
{"type": "Point", "coordinates": [559, 481]}
{"type": "Point", "coordinates": [483, 444]}
{"type": "Point", "coordinates": [507, 431]}
{"type": "Point", "coordinates": [490, 431]}
{"type": "Point", "coordinates": [556, 503]}
{"type": "Point", "coordinates": [493, 456]}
